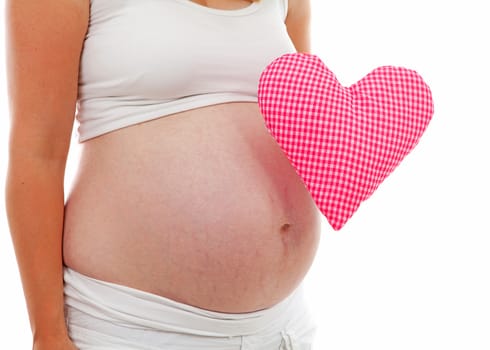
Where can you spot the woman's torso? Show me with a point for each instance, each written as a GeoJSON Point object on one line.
{"type": "Point", "coordinates": [200, 206]}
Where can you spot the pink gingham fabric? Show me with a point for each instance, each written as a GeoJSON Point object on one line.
{"type": "Point", "coordinates": [343, 141]}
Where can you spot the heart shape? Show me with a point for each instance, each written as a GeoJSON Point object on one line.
{"type": "Point", "coordinates": [343, 141]}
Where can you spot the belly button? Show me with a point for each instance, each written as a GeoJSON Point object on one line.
{"type": "Point", "coordinates": [285, 239]}
{"type": "Point", "coordinates": [285, 228]}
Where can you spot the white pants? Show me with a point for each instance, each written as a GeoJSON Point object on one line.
{"type": "Point", "coordinates": [107, 316]}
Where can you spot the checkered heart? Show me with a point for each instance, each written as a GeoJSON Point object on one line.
{"type": "Point", "coordinates": [343, 141]}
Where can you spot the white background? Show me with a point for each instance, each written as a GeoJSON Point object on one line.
{"type": "Point", "coordinates": [411, 269]}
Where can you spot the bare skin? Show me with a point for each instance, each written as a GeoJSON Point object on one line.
{"type": "Point", "coordinates": [222, 211]}
{"type": "Point", "coordinates": [249, 257]}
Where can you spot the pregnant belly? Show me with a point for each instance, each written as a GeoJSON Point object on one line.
{"type": "Point", "coordinates": [201, 207]}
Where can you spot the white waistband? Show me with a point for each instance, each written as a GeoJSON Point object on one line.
{"type": "Point", "coordinates": [138, 309]}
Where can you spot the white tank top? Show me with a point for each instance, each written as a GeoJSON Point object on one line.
{"type": "Point", "coordinates": [144, 59]}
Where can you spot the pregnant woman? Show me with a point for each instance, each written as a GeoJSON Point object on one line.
{"type": "Point", "coordinates": [186, 226]}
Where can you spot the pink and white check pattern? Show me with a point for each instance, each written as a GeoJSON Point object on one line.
{"type": "Point", "coordinates": [342, 141]}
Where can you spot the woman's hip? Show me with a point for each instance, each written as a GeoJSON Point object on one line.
{"type": "Point", "coordinates": [103, 316]}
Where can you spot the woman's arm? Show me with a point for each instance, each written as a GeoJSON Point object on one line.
{"type": "Point", "coordinates": [298, 24]}
{"type": "Point", "coordinates": [44, 42]}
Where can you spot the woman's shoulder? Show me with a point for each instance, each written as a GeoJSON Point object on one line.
{"type": "Point", "coordinates": [298, 6]}
{"type": "Point", "coordinates": [298, 23]}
